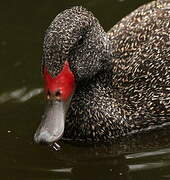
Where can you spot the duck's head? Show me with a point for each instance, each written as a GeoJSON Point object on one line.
{"type": "Point", "coordinates": [75, 48]}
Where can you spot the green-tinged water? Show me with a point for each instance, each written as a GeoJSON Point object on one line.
{"type": "Point", "coordinates": [21, 105]}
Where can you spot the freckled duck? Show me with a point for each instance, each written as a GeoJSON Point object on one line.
{"type": "Point", "coordinates": [102, 86]}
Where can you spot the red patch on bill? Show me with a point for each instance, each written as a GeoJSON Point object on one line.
{"type": "Point", "coordinates": [64, 82]}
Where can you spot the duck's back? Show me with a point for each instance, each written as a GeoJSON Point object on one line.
{"type": "Point", "coordinates": [141, 64]}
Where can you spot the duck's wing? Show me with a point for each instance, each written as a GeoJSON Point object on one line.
{"type": "Point", "coordinates": [141, 63]}
{"type": "Point", "coordinates": [138, 28]}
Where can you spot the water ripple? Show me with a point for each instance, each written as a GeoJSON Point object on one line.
{"type": "Point", "coordinates": [19, 95]}
{"type": "Point", "coordinates": [149, 154]}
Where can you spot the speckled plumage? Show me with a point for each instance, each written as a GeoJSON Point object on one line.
{"type": "Point", "coordinates": [123, 76]}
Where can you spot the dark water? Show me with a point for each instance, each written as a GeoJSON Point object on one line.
{"type": "Point", "coordinates": [21, 105]}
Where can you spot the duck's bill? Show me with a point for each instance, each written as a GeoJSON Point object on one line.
{"type": "Point", "coordinates": [51, 127]}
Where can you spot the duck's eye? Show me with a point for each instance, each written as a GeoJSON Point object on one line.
{"type": "Point", "coordinates": [80, 41]}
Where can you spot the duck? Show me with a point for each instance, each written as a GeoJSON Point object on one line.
{"type": "Point", "coordinates": [103, 86]}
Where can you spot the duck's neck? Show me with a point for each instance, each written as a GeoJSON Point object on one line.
{"type": "Point", "coordinates": [91, 113]}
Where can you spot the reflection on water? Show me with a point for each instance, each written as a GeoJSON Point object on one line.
{"type": "Point", "coordinates": [21, 105]}
{"type": "Point", "coordinates": [20, 95]}
{"type": "Point", "coordinates": [160, 152]}
{"type": "Point", "coordinates": [25, 160]}
{"type": "Point", "coordinates": [150, 160]}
